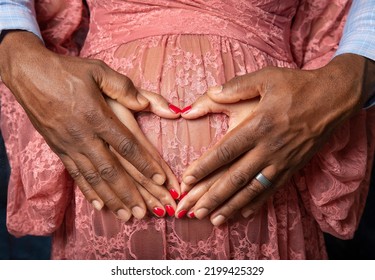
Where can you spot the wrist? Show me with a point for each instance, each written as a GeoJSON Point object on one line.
{"type": "Point", "coordinates": [15, 47]}
{"type": "Point", "coordinates": [344, 77]}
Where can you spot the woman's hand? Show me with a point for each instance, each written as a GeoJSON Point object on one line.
{"type": "Point", "coordinates": [237, 112]}
{"type": "Point", "coordinates": [159, 199]}
{"type": "Point", "coordinates": [297, 112]}
{"type": "Point", "coordinates": [63, 98]}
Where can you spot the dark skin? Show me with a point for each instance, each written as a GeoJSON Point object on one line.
{"type": "Point", "coordinates": [277, 138]}
{"type": "Point", "coordinates": [64, 98]}
{"type": "Point", "coordinates": [298, 110]}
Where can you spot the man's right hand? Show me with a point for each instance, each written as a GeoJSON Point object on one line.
{"type": "Point", "coordinates": [63, 97]}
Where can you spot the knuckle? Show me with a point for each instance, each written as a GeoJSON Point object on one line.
{"type": "Point", "coordinates": [127, 148]}
{"type": "Point", "coordinates": [76, 133]}
{"type": "Point", "coordinates": [125, 197]}
{"type": "Point", "coordinates": [112, 203]}
{"type": "Point", "coordinates": [238, 178]}
{"type": "Point", "coordinates": [93, 117]}
{"type": "Point", "coordinates": [74, 173]}
{"type": "Point", "coordinates": [86, 191]}
{"type": "Point", "coordinates": [92, 177]}
{"type": "Point", "coordinates": [108, 172]}
{"type": "Point", "coordinates": [164, 198]}
{"type": "Point", "coordinates": [127, 84]}
{"type": "Point", "coordinates": [99, 64]}
{"type": "Point", "coordinates": [200, 170]}
{"type": "Point", "coordinates": [215, 198]}
{"type": "Point", "coordinates": [224, 153]}
{"type": "Point", "coordinates": [252, 190]}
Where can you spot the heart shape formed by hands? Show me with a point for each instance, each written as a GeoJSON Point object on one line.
{"type": "Point", "coordinates": [156, 197]}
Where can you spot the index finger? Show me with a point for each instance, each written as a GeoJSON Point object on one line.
{"type": "Point", "coordinates": [126, 144]}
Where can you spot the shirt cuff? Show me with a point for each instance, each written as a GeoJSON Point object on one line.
{"type": "Point", "coordinates": [17, 16]}
{"type": "Point", "coordinates": [356, 43]}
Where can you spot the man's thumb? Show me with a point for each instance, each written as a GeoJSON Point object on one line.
{"type": "Point", "coordinates": [120, 88]}
{"type": "Point", "coordinates": [237, 89]}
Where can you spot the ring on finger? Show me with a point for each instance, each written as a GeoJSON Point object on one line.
{"type": "Point", "coordinates": [263, 180]}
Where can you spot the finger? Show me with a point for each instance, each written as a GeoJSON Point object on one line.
{"type": "Point", "coordinates": [253, 206]}
{"type": "Point", "coordinates": [236, 142]}
{"type": "Point", "coordinates": [118, 87]}
{"type": "Point", "coordinates": [99, 186]}
{"type": "Point", "coordinates": [239, 88]}
{"type": "Point", "coordinates": [237, 112]}
{"type": "Point", "coordinates": [159, 106]}
{"type": "Point", "coordinates": [153, 204]}
{"type": "Point", "coordinates": [186, 204]}
{"type": "Point", "coordinates": [234, 179]}
{"type": "Point", "coordinates": [107, 172]}
{"type": "Point", "coordinates": [251, 192]}
{"type": "Point", "coordinates": [125, 143]}
{"type": "Point", "coordinates": [203, 106]}
{"type": "Point", "coordinates": [159, 192]}
{"type": "Point", "coordinates": [171, 182]}
{"type": "Point", "coordinates": [86, 189]}
{"type": "Point", "coordinates": [126, 117]}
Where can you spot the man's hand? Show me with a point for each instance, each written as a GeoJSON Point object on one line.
{"type": "Point", "coordinates": [297, 112]}
{"type": "Point", "coordinates": [63, 97]}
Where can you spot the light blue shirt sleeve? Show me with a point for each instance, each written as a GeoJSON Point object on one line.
{"type": "Point", "coordinates": [359, 34]}
{"type": "Point", "coordinates": [18, 14]}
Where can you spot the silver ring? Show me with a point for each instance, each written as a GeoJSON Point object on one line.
{"type": "Point", "coordinates": [263, 180]}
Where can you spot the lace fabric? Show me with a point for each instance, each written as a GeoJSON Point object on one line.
{"type": "Point", "coordinates": [328, 194]}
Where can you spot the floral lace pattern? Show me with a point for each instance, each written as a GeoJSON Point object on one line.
{"type": "Point", "coordinates": [328, 194]}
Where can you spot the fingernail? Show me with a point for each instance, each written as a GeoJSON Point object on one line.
{"type": "Point", "coordinates": [174, 109]}
{"type": "Point", "coordinates": [188, 180]}
{"type": "Point", "coordinates": [170, 210]}
{"type": "Point", "coordinates": [158, 179]}
{"type": "Point", "coordinates": [215, 89]}
{"type": "Point", "coordinates": [191, 214]}
{"type": "Point", "coordinates": [218, 220]}
{"type": "Point", "coordinates": [138, 212]}
{"type": "Point", "coordinates": [174, 193]}
{"type": "Point", "coordinates": [97, 205]}
{"type": "Point", "coordinates": [123, 215]}
{"type": "Point", "coordinates": [186, 109]}
{"type": "Point", "coordinates": [247, 213]}
{"type": "Point", "coordinates": [183, 195]}
{"type": "Point", "coordinates": [181, 214]}
{"type": "Point", "coordinates": [201, 213]}
{"type": "Point", "coordinates": [158, 211]}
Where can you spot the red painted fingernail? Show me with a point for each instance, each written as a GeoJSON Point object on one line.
{"type": "Point", "coordinates": [174, 109]}
{"type": "Point", "coordinates": [181, 214]}
{"type": "Point", "coordinates": [170, 210]}
{"type": "Point", "coordinates": [186, 109]}
{"type": "Point", "coordinates": [174, 193]}
{"type": "Point", "coordinates": [191, 214]}
{"type": "Point", "coordinates": [158, 211]}
{"type": "Point", "coordinates": [183, 195]}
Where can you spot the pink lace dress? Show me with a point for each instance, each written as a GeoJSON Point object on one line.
{"type": "Point", "coordinates": [178, 49]}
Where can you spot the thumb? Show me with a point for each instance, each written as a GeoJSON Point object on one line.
{"type": "Point", "coordinates": [119, 87]}
{"type": "Point", "coordinates": [203, 106]}
{"type": "Point", "coordinates": [159, 106]}
{"type": "Point", "coordinates": [237, 89]}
